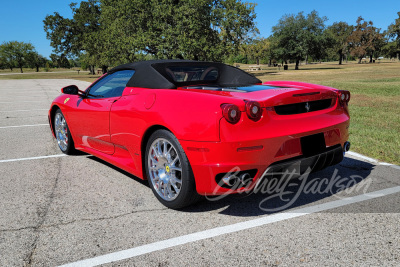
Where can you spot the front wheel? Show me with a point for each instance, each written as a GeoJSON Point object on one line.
{"type": "Point", "coordinates": [168, 171]}
{"type": "Point", "coordinates": [62, 133]}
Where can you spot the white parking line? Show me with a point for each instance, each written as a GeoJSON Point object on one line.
{"type": "Point", "coordinates": [24, 95]}
{"type": "Point", "coordinates": [21, 110]}
{"type": "Point", "coordinates": [355, 154]}
{"type": "Point", "coordinates": [223, 230]}
{"type": "Point", "coordinates": [18, 126]}
{"type": "Point", "coordinates": [32, 158]}
{"type": "Point", "coordinates": [375, 161]}
{"type": "Point", "coordinates": [22, 102]}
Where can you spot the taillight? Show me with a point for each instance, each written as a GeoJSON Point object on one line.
{"type": "Point", "coordinates": [344, 97]}
{"type": "Point", "coordinates": [253, 110]}
{"type": "Point", "coordinates": [231, 113]}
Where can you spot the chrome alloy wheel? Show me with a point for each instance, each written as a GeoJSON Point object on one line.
{"type": "Point", "coordinates": [165, 169]}
{"type": "Point", "coordinates": [61, 129]}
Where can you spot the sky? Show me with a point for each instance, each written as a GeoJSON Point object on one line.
{"type": "Point", "coordinates": [22, 20]}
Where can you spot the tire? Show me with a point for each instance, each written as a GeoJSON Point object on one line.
{"type": "Point", "coordinates": [168, 171]}
{"type": "Point", "coordinates": [62, 133]}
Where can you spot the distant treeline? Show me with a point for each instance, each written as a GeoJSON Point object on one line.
{"type": "Point", "coordinates": [21, 55]}
{"type": "Point", "coordinates": [306, 37]}
{"type": "Point", "coordinates": [104, 33]}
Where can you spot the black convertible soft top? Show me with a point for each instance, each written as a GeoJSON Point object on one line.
{"type": "Point", "coordinates": [154, 74]}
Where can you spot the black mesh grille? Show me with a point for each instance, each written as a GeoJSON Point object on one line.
{"type": "Point", "coordinates": [303, 107]}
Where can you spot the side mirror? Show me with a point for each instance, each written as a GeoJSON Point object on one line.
{"type": "Point", "coordinates": [70, 90]}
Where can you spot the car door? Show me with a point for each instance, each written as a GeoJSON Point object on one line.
{"type": "Point", "coordinates": [90, 120]}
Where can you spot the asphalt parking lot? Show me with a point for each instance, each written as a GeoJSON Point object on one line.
{"type": "Point", "coordinates": [79, 210]}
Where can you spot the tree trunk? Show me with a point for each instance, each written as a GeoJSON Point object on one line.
{"type": "Point", "coordinates": [37, 68]}
{"type": "Point", "coordinates": [104, 69]}
{"type": "Point", "coordinates": [258, 61]}
{"type": "Point", "coordinates": [306, 59]}
{"type": "Point", "coordinates": [359, 60]}
{"type": "Point", "coordinates": [340, 57]}
{"type": "Point", "coordinates": [370, 58]}
{"type": "Point", "coordinates": [269, 63]}
{"type": "Point", "coordinates": [91, 70]}
{"type": "Point", "coordinates": [20, 67]}
{"type": "Point", "coordinates": [11, 68]}
{"type": "Point", "coordinates": [297, 64]}
{"type": "Point", "coordinates": [398, 56]}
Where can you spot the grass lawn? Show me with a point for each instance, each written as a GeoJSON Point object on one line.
{"type": "Point", "coordinates": [374, 105]}
{"type": "Point", "coordinates": [51, 74]}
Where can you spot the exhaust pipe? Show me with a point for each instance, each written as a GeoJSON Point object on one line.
{"type": "Point", "coordinates": [231, 180]}
{"type": "Point", "coordinates": [244, 178]}
{"type": "Point", "coordinates": [346, 146]}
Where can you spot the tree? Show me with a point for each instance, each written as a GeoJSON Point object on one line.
{"type": "Point", "coordinates": [316, 43]}
{"type": "Point", "coordinates": [60, 61]}
{"type": "Point", "coordinates": [2, 63]}
{"type": "Point", "coordinates": [255, 50]}
{"type": "Point", "coordinates": [6, 58]}
{"type": "Point", "coordinates": [298, 36]}
{"type": "Point", "coordinates": [263, 50]}
{"type": "Point", "coordinates": [16, 53]}
{"type": "Point", "coordinates": [394, 33]}
{"type": "Point", "coordinates": [338, 34]}
{"type": "Point", "coordinates": [390, 50]}
{"type": "Point", "coordinates": [35, 60]}
{"type": "Point", "coordinates": [109, 32]}
{"type": "Point", "coordinates": [289, 36]}
{"type": "Point", "coordinates": [81, 34]}
{"type": "Point", "coordinates": [365, 40]}
{"type": "Point", "coordinates": [198, 29]}
{"type": "Point", "coordinates": [378, 42]}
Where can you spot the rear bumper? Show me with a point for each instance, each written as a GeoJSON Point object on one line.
{"type": "Point", "coordinates": [211, 159]}
{"type": "Point", "coordinates": [300, 165]}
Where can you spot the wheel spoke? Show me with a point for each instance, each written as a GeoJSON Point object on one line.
{"type": "Point", "coordinates": [159, 151]}
{"type": "Point", "coordinates": [169, 193]}
{"type": "Point", "coordinates": [163, 188]}
{"type": "Point", "coordinates": [153, 152]}
{"type": "Point", "coordinates": [173, 163]}
{"type": "Point", "coordinates": [155, 160]}
{"type": "Point", "coordinates": [173, 168]}
{"type": "Point", "coordinates": [173, 183]}
{"type": "Point", "coordinates": [168, 156]}
{"type": "Point", "coordinates": [165, 144]}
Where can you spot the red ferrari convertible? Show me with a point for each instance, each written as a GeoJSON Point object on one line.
{"type": "Point", "coordinates": [201, 128]}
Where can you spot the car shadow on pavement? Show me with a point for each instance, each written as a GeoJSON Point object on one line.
{"type": "Point", "coordinates": [349, 177]}
{"type": "Point", "coordinates": [133, 177]}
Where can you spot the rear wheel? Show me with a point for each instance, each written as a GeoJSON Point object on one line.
{"type": "Point", "coordinates": [168, 171]}
{"type": "Point", "coordinates": [62, 133]}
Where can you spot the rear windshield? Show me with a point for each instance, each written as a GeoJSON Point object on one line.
{"type": "Point", "coordinates": [192, 73]}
